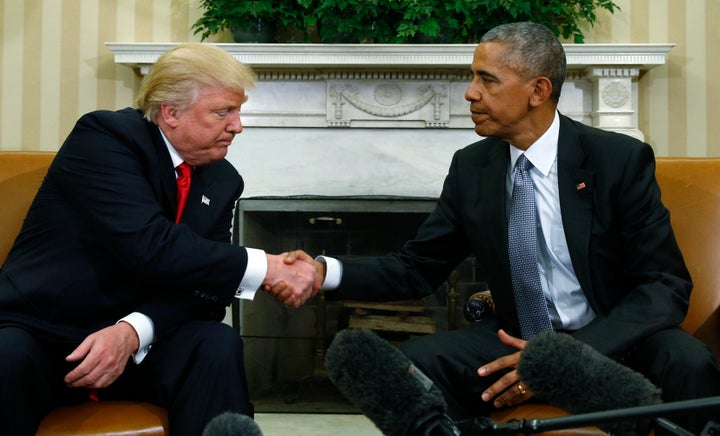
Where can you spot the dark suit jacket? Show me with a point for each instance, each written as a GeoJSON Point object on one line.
{"type": "Point", "coordinates": [618, 232]}
{"type": "Point", "coordinates": [99, 240]}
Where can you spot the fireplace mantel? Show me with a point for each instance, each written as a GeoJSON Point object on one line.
{"type": "Point", "coordinates": [142, 56]}
{"type": "Point", "coordinates": [384, 119]}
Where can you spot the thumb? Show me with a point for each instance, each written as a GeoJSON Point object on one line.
{"type": "Point", "coordinates": [80, 352]}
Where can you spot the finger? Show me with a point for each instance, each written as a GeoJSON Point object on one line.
{"type": "Point", "coordinates": [510, 340]}
{"type": "Point", "coordinates": [516, 394]}
{"type": "Point", "coordinates": [277, 289]}
{"type": "Point", "coordinates": [499, 387]}
{"type": "Point", "coordinates": [290, 258]}
{"type": "Point", "coordinates": [80, 352]}
{"type": "Point", "coordinates": [509, 361]}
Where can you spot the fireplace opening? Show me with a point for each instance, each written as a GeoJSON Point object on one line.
{"type": "Point", "coordinates": [284, 348]}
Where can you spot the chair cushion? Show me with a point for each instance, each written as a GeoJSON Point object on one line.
{"type": "Point", "coordinates": [106, 418]}
{"type": "Point", "coordinates": [540, 411]}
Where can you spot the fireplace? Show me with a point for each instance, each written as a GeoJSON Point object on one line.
{"type": "Point", "coordinates": [285, 347]}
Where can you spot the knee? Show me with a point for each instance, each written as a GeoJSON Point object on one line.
{"type": "Point", "coordinates": [220, 340]}
{"type": "Point", "coordinates": [418, 351]}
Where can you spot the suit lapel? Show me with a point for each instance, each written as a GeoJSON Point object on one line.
{"type": "Point", "coordinates": [166, 170]}
{"type": "Point", "coordinates": [199, 201]}
{"type": "Point", "coordinates": [575, 185]}
{"type": "Point", "coordinates": [494, 181]}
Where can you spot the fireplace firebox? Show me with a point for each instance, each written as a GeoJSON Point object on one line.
{"type": "Point", "coordinates": [285, 347]}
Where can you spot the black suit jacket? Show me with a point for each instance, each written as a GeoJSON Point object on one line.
{"type": "Point", "coordinates": [618, 232]}
{"type": "Point", "coordinates": [99, 240]}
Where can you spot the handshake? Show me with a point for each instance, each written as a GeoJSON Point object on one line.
{"type": "Point", "coordinates": [293, 277]}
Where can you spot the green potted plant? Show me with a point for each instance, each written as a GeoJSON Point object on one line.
{"type": "Point", "coordinates": [396, 21]}
{"type": "Point", "coordinates": [253, 21]}
{"type": "Point", "coordinates": [465, 21]}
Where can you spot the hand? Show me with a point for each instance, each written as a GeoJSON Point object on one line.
{"type": "Point", "coordinates": [292, 256]}
{"type": "Point", "coordinates": [290, 283]}
{"type": "Point", "coordinates": [509, 390]}
{"type": "Point", "coordinates": [104, 355]}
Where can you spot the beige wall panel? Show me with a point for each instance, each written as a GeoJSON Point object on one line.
{"type": "Point", "coordinates": [12, 62]}
{"type": "Point", "coordinates": [49, 78]}
{"type": "Point", "coordinates": [677, 76]}
{"type": "Point", "coordinates": [712, 76]}
{"type": "Point", "coordinates": [47, 119]}
{"type": "Point", "coordinates": [31, 84]}
{"type": "Point", "coordinates": [696, 85]}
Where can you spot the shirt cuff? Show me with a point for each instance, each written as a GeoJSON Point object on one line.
{"type": "Point", "coordinates": [333, 272]}
{"type": "Point", "coordinates": [145, 330]}
{"type": "Point", "coordinates": [255, 273]}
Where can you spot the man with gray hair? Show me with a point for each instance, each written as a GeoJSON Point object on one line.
{"type": "Point", "coordinates": [125, 255]}
{"type": "Point", "coordinates": [567, 228]}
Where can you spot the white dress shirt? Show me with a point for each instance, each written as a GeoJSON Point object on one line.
{"type": "Point", "coordinates": [567, 304]}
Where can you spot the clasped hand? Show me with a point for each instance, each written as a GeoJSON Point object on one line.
{"type": "Point", "coordinates": [293, 278]}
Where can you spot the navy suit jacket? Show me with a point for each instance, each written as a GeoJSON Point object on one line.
{"type": "Point", "coordinates": [99, 240]}
{"type": "Point", "coordinates": [618, 232]}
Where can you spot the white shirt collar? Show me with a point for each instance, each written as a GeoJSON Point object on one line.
{"type": "Point", "coordinates": [541, 153]}
{"type": "Point", "coordinates": [174, 155]}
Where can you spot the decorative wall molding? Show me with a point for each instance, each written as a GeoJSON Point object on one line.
{"type": "Point", "coordinates": [384, 120]}
{"type": "Point", "coordinates": [452, 56]}
{"type": "Point", "coordinates": [338, 84]}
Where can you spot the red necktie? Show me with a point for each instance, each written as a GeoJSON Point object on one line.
{"type": "Point", "coordinates": [184, 172]}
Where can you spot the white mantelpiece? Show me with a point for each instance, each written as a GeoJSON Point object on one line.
{"type": "Point", "coordinates": [366, 119]}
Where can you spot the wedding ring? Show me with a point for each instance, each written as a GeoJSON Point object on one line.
{"type": "Point", "coordinates": [521, 388]}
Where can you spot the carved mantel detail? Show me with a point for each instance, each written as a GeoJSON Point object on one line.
{"type": "Point", "coordinates": [384, 120]}
{"type": "Point", "coordinates": [412, 86]}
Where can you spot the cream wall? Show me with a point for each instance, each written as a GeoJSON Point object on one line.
{"type": "Point", "coordinates": [54, 65]}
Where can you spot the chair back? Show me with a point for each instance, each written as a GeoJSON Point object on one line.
{"type": "Point", "coordinates": [20, 176]}
{"type": "Point", "coordinates": [690, 188]}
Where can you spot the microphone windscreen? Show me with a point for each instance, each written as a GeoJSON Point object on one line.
{"type": "Point", "coordinates": [574, 376]}
{"type": "Point", "coordinates": [232, 424]}
{"type": "Point", "coordinates": [378, 378]}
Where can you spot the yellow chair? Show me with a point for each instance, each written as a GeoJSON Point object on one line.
{"type": "Point", "coordinates": [20, 176]}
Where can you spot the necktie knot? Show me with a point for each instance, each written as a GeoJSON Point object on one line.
{"type": "Point", "coordinates": [183, 170]}
{"type": "Point", "coordinates": [523, 164]}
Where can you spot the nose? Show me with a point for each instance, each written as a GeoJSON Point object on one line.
{"type": "Point", "coordinates": [235, 125]}
{"type": "Point", "coordinates": [472, 93]}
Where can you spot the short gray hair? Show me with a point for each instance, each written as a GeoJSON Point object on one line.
{"type": "Point", "coordinates": [533, 51]}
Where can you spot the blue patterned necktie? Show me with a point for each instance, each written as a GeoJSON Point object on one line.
{"type": "Point", "coordinates": [530, 302]}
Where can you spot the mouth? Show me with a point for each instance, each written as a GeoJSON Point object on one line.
{"type": "Point", "coordinates": [478, 116]}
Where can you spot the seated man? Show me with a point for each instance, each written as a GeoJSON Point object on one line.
{"type": "Point", "coordinates": [567, 227]}
{"type": "Point", "coordinates": [109, 263]}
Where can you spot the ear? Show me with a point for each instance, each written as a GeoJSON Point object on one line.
{"type": "Point", "coordinates": [169, 114]}
{"type": "Point", "coordinates": [542, 88]}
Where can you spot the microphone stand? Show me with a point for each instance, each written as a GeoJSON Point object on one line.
{"type": "Point", "coordinates": [538, 425]}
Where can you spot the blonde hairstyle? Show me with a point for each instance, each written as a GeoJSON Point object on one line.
{"type": "Point", "coordinates": [179, 73]}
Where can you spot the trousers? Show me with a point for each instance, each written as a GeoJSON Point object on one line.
{"type": "Point", "coordinates": [682, 366]}
{"type": "Point", "coordinates": [196, 372]}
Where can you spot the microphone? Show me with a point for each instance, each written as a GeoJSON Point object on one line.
{"type": "Point", "coordinates": [377, 377]}
{"type": "Point", "coordinates": [232, 424]}
{"type": "Point", "coordinates": [574, 376]}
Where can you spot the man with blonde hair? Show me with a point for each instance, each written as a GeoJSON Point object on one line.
{"type": "Point", "coordinates": [125, 254]}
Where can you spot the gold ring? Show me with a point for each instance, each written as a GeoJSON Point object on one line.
{"type": "Point", "coordinates": [521, 388]}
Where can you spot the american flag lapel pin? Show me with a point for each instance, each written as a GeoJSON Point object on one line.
{"type": "Point", "coordinates": [205, 201]}
{"type": "Point", "coordinates": [580, 186]}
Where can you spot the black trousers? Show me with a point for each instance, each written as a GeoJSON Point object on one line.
{"type": "Point", "coordinates": [683, 367]}
{"type": "Point", "coordinates": [196, 372]}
